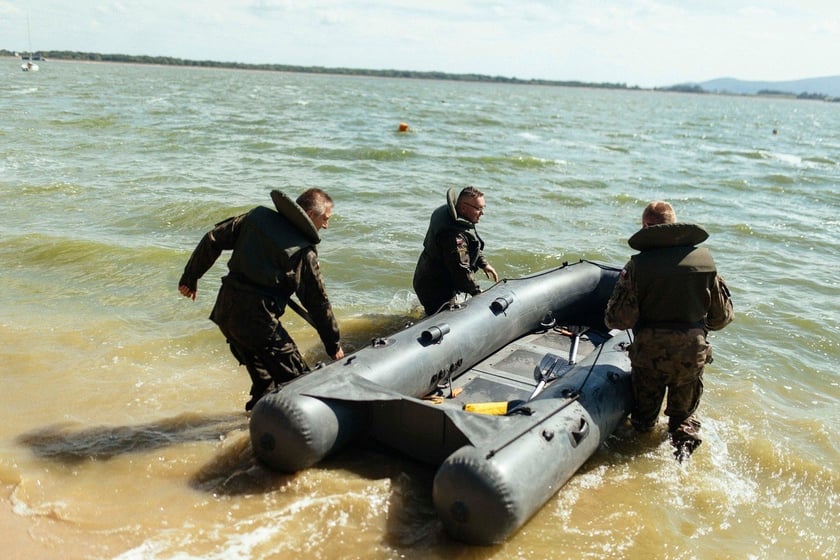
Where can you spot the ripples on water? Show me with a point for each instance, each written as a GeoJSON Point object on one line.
{"type": "Point", "coordinates": [122, 434]}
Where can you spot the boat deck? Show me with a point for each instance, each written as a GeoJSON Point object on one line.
{"type": "Point", "coordinates": [513, 372]}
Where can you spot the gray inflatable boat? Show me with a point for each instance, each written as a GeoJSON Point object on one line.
{"type": "Point", "coordinates": [509, 394]}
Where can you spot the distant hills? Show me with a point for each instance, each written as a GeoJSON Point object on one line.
{"type": "Point", "coordinates": [828, 86]}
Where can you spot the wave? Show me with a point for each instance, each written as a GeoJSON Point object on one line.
{"type": "Point", "coordinates": [520, 162]}
{"type": "Point", "coordinates": [87, 123]}
{"type": "Point", "coordinates": [779, 179]}
{"type": "Point", "coordinates": [619, 149]}
{"type": "Point", "coordinates": [791, 159]}
{"type": "Point", "coordinates": [354, 154]}
{"type": "Point", "coordinates": [111, 273]}
{"type": "Point", "coordinates": [819, 159]}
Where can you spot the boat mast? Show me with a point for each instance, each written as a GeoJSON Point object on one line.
{"type": "Point", "coordinates": [29, 34]}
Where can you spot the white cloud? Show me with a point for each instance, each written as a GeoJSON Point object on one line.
{"type": "Point", "coordinates": [830, 27]}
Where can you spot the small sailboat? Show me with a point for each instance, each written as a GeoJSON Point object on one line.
{"type": "Point", "coordinates": [29, 65]}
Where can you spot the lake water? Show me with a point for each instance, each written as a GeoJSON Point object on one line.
{"type": "Point", "coordinates": [124, 434]}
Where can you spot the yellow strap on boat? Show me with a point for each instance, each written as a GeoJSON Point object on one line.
{"type": "Point", "coordinates": [499, 408]}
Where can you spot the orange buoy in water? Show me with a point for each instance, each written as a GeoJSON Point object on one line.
{"type": "Point", "coordinates": [403, 127]}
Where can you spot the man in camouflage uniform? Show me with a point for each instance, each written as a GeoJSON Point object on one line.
{"type": "Point", "coordinates": [274, 256]}
{"type": "Point", "coordinates": [452, 252]}
{"type": "Point", "coordinates": [670, 295]}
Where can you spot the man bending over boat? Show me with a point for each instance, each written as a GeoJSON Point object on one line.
{"type": "Point", "coordinates": [670, 295]}
{"type": "Point", "coordinates": [274, 256]}
{"type": "Point", "coordinates": [452, 252]}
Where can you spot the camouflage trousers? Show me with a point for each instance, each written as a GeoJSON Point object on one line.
{"type": "Point", "coordinates": [268, 368]}
{"type": "Point", "coordinates": [257, 339]}
{"type": "Point", "coordinates": [669, 362]}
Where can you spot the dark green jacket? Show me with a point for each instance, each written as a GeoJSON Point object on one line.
{"type": "Point", "coordinates": [670, 283]}
{"type": "Point", "coordinates": [274, 256]}
{"type": "Point", "coordinates": [452, 253]}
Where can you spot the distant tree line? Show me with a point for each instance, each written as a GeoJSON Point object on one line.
{"type": "Point", "coordinates": [171, 61]}
{"type": "Point", "coordinates": [684, 88]}
{"type": "Point", "coordinates": [803, 95]}
{"type": "Point", "coordinates": [694, 88]}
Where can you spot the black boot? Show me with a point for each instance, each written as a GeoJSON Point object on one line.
{"type": "Point", "coordinates": [685, 440]}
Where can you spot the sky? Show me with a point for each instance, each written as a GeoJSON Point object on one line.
{"type": "Point", "coordinates": [646, 43]}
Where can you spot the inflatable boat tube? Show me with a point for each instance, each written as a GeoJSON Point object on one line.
{"type": "Point", "coordinates": [536, 344]}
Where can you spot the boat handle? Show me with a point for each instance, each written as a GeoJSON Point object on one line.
{"type": "Point", "coordinates": [434, 334]}
{"type": "Point", "coordinates": [501, 303]}
{"type": "Point", "coordinates": [580, 433]}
